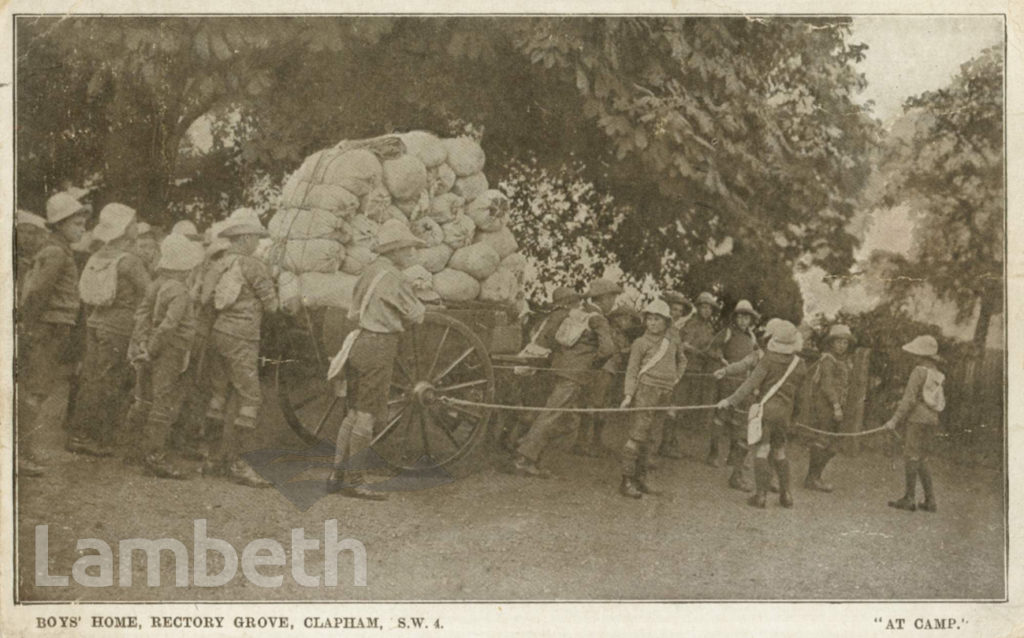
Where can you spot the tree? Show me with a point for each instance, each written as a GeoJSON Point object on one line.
{"type": "Point", "coordinates": [122, 92]}
{"type": "Point", "coordinates": [701, 129]}
{"type": "Point", "coordinates": [946, 162]}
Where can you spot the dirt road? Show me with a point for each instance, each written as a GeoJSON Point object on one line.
{"type": "Point", "coordinates": [490, 535]}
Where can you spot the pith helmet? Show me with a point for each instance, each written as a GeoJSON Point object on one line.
{"type": "Point", "coordinates": [61, 206]}
{"type": "Point", "coordinates": [659, 307]}
{"type": "Point", "coordinates": [785, 338]}
{"type": "Point", "coordinates": [708, 298]}
{"type": "Point", "coordinates": [840, 331]}
{"type": "Point", "coordinates": [178, 252]}
{"type": "Point", "coordinates": [600, 287]}
{"type": "Point", "coordinates": [747, 308]}
{"type": "Point", "coordinates": [114, 222]}
{"type": "Point", "coordinates": [923, 346]}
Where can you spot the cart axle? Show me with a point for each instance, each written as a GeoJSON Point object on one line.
{"type": "Point", "coordinates": [424, 393]}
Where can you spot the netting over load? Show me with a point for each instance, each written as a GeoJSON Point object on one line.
{"type": "Point", "coordinates": [324, 231]}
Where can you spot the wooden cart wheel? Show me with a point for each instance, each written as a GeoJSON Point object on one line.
{"type": "Point", "coordinates": [306, 399]}
{"type": "Point", "coordinates": [440, 358]}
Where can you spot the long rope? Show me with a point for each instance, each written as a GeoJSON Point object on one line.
{"type": "Point", "coordinates": [653, 408]}
{"type": "Point", "coordinates": [530, 408]}
{"type": "Point", "coordinates": [556, 370]}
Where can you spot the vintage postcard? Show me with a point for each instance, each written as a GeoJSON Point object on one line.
{"type": "Point", "coordinates": [534, 319]}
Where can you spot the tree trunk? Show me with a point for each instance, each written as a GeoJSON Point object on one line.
{"type": "Point", "coordinates": [985, 312]}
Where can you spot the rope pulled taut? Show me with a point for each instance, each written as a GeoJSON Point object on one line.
{"type": "Point", "coordinates": [653, 408]}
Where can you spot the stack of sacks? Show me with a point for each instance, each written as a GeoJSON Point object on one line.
{"type": "Point", "coordinates": [331, 208]}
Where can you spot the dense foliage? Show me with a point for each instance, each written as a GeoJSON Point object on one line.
{"type": "Point", "coordinates": [699, 128]}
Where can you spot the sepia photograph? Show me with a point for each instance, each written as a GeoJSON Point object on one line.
{"type": "Point", "coordinates": [570, 307]}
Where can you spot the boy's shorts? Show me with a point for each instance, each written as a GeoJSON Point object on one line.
{"type": "Point", "coordinates": [643, 424]}
{"type": "Point", "coordinates": [918, 439]}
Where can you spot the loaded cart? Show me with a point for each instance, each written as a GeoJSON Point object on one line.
{"type": "Point", "coordinates": [469, 271]}
{"type": "Point", "coordinates": [451, 354]}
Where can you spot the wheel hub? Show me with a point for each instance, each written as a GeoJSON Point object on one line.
{"type": "Point", "coordinates": [424, 393]}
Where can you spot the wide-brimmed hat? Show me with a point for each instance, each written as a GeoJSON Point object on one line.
{"type": "Point", "coordinates": [744, 307]}
{"type": "Point", "coordinates": [708, 298]}
{"type": "Point", "coordinates": [659, 307]}
{"type": "Point", "coordinates": [393, 235]}
{"type": "Point", "coordinates": [243, 228]}
{"type": "Point", "coordinates": [61, 206]}
{"type": "Point", "coordinates": [187, 229]}
{"type": "Point", "coordinates": [242, 221]}
{"type": "Point", "coordinates": [143, 229]}
{"type": "Point", "coordinates": [600, 287]}
{"type": "Point", "coordinates": [178, 252]}
{"type": "Point", "coordinates": [923, 346]}
{"type": "Point", "coordinates": [25, 217]}
{"type": "Point", "coordinates": [565, 296]}
{"type": "Point", "coordinates": [785, 338]}
{"type": "Point", "coordinates": [674, 297]}
{"type": "Point", "coordinates": [773, 323]}
{"type": "Point", "coordinates": [115, 219]}
{"type": "Point", "coordinates": [840, 331]}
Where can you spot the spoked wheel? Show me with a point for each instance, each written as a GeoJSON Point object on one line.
{"type": "Point", "coordinates": [307, 400]}
{"type": "Point", "coordinates": [441, 358]}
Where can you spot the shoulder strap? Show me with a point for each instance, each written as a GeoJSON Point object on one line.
{"type": "Point", "coordinates": [778, 384]}
{"type": "Point", "coordinates": [658, 356]}
{"type": "Point", "coordinates": [369, 293]}
{"type": "Point", "coordinates": [540, 329]}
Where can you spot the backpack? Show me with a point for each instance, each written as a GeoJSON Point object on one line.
{"type": "Point", "coordinates": [573, 327]}
{"type": "Point", "coordinates": [98, 283]}
{"type": "Point", "coordinates": [932, 393]}
{"type": "Point", "coordinates": [228, 286]}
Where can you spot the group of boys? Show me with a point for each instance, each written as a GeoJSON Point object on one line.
{"type": "Point", "coordinates": [172, 321]}
{"type": "Point", "coordinates": [727, 379]}
{"type": "Point", "coordinates": [181, 321]}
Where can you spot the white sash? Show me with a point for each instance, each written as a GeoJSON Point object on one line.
{"type": "Point", "coordinates": [339, 360]}
{"type": "Point", "coordinates": [655, 360]}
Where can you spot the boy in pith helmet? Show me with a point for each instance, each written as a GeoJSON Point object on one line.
{"type": "Point", "coordinates": [243, 292]}
{"type": "Point", "coordinates": [733, 343]}
{"type": "Point", "coordinates": [829, 388]}
{"type": "Point", "coordinates": [113, 283]}
{"type": "Point", "coordinates": [48, 309]}
{"type": "Point", "coordinates": [656, 361]}
{"type": "Point", "coordinates": [572, 365]}
{"type": "Point", "coordinates": [165, 325]}
{"type": "Point", "coordinates": [383, 306]}
{"type": "Point", "coordinates": [918, 414]}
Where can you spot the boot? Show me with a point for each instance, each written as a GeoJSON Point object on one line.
{"type": "Point", "coordinates": [910, 477]}
{"type": "Point", "coordinates": [929, 504]}
{"type": "Point", "coordinates": [670, 443]}
{"type": "Point", "coordinates": [523, 466]}
{"type": "Point", "coordinates": [640, 478]}
{"type": "Point", "coordinates": [357, 489]}
{"type": "Point", "coordinates": [785, 495]}
{"type": "Point", "coordinates": [242, 473]}
{"type": "Point", "coordinates": [629, 488]}
{"type": "Point", "coordinates": [815, 466]}
{"type": "Point", "coordinates": [737, 481]}
{"type": "Point", "coordinates": [29, 468]}
{"type": "Point", "coordinates": [156, 464]}
{"type": "Point", "coordinates": [713, 459]}
{"type": "Point", "coordinates": [761, 479]}
{"type": "Point", "coordinates": [81, 445]}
